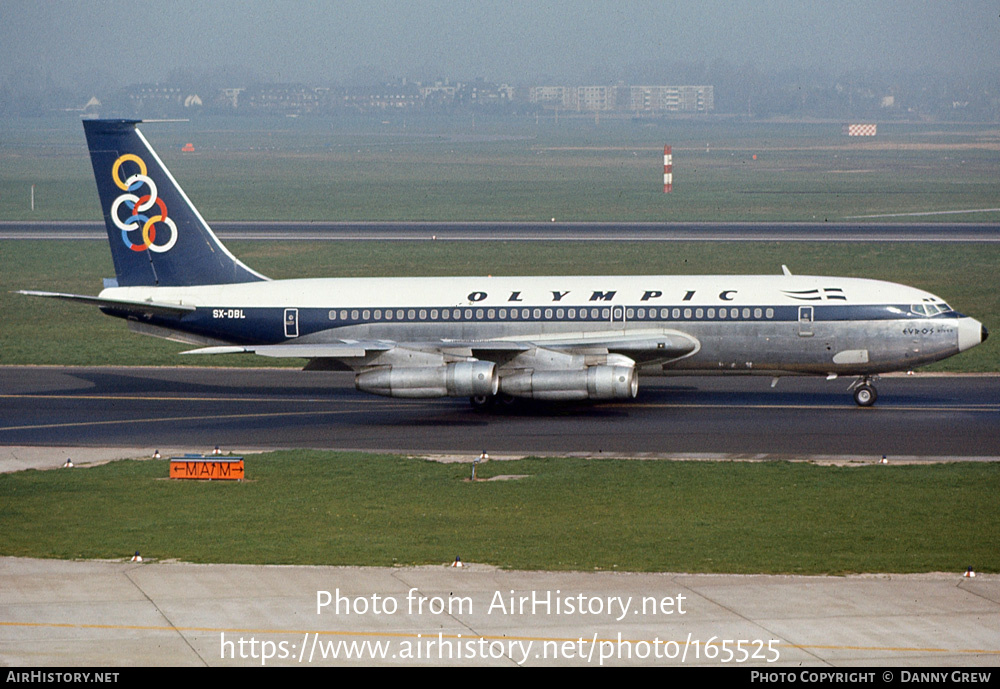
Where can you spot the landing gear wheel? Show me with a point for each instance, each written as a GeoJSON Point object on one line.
{"type": "Point", "coordinates": [482, 402]}
{"type": "Point", "coordinates": [865, 395]}
{"type": "Point", "coordinates": [506, 401]}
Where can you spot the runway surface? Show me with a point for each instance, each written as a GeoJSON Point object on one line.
{"type": "Point", "coordinates": [920, 416]}
{"type": "Point", "coordinates": [547, 231]}
{"type": "Point", "coordinates": [113, 614]}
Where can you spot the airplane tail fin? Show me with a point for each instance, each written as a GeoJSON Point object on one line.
{"type": "Point", "coordinates": [157, 236]}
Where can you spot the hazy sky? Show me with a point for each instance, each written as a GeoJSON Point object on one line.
{"type": "Point", "coordinates": [514, 41]}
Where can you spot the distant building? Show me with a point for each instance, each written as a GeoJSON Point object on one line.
{"type": "Point", "coordinates": [564, 97]}
{"type": "Point", "coordinates": [659, 99]}
{"type": "Point", "coordinates": [160, 99]}
{"type": "Point", "coordinates": [399, 96]}
{"type": "Point", "coordinates": [595, 98]}
{"type": "Point", "coordinates": [622, 98]}
{"type": "Point", "coordinates": [231, 96]}
{"type": "Point", "coordinates": [284, 99]}
{"type": "Point", "coordinates": [440, 92]}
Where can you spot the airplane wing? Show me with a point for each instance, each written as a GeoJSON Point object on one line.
{"type": "Point", "coordinates": [642, 347]}
{"type": "Point", "coordinates": [648, 347]}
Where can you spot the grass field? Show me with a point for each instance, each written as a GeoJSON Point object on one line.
{"type": "Point", "coordinates": [517, 169]}
{"type": "Point", "coordinates": [40, 331]}
{"type": "Point", "coordinates": [562, 514]}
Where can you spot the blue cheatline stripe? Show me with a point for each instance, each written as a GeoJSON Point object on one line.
{"type": "Point", "coordinates": [253, 325]}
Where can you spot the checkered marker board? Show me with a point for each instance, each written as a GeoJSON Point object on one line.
{"type": "Point", "coordinates": [861, 129]}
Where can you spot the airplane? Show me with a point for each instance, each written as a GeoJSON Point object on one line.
{"type": "Point", "coordinates": [493, 339]}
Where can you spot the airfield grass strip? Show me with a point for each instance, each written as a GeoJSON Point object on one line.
{"type": "Point", "coordinates": [454, 168]}
{"type": "Point", "coordinates": [320, 508]}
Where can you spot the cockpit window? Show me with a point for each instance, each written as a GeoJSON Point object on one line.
{"type": "Point", "coordinates": [929, 309]}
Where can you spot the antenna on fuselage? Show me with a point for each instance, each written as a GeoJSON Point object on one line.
{"type": "Point", "coordinates": [785, 270]}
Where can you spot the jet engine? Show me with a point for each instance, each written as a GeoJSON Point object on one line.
{"type": "Point", "coordinates": [461, 379]}
{"type": "Point", "coordinates": [592, 383]}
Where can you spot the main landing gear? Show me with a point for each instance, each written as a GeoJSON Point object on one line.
{"type": "Point", "coordinates": [485, 403]}
{"type": "Point", "coordinates": [865, 393]}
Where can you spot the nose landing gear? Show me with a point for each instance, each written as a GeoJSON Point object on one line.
{"type": "Point", "coordinates": [865, 393]}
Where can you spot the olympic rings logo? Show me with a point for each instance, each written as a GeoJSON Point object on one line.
{"type": "Point", "coordinates": [139, 205]}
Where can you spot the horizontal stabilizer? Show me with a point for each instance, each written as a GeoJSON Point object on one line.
{"type": "Point", "coordinates": [151, 307]}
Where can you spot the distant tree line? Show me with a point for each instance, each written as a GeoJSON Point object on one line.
{"type": "Point", "coordinates": [738, 90]}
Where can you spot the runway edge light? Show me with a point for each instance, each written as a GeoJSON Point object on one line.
{"type": "Point", "coordinates": [969, 574]}
{"type": "Point", "coordinates": [457, 562]}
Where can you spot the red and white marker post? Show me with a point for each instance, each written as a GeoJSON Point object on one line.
{"type": "Point", "coordinates": [668, 170]}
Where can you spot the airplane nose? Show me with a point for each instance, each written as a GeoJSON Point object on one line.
{"type": "Point", "coordinates": [970, 333]}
